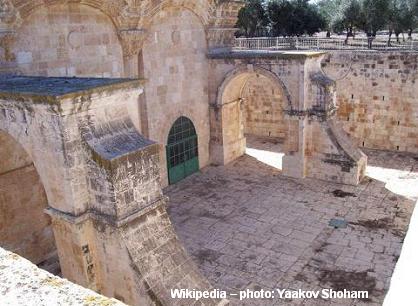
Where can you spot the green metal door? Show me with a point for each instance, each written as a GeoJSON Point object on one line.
{"type": "Point", "coordinates": [182, 150]}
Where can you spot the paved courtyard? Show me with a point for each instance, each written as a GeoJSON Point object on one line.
{"type": "Point", "coordinates": [246, 226]}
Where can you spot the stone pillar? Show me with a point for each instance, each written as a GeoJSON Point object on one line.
{"type": "Point", "coordinates": [227, 132]}
{"type": "Point", "coordinates": [317, 145]}
{"type": "Point", "coordinates": [294, 162]}
{"type": "Point", "coordinates": [74, 244]}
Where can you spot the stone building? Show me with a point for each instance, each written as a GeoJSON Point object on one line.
{"type": "Point", "coordinates": [103, 103]}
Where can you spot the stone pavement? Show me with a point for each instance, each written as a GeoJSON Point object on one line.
{"type": "Point", "coordinates": [246, 226]}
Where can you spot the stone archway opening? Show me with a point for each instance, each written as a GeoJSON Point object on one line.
{"type": "Point", "coordinates": [264, 123]}
{"type": "Point", "coordinates": [249, 118]}
{"type": "Point", "coordinates": [25, 229]}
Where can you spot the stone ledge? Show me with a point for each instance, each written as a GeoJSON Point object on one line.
{"type": "Point", "coordinates": [227, 53]}
{"type": "Point", "coordinates": [23, 283]}
{"type": "Point", "coordinates": [103, 218]}
{"type": "Point", "coordinates": [52, 90]}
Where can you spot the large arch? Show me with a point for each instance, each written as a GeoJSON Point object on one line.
{"type": "Point", "coordinates": [25, 228]}
{"type": "Point", "coordinates": [25, 8]}
{"type": "Point", "coordinates": [227, 116]}
{"type": "Point", "coordinates": [67, 39]}
{"type": "Point", "coordinates": [202, 9]}
{"type": "Point", "coordinates": [111, 227]}
{"type": "Point", "coordinates": [238, 77]}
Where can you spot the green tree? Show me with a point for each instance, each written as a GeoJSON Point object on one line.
{"type": "Point", "coordinates": [294, 18]}
{"type": "Point", "coordinates": [329, 9]}
{"type": "Point", "coordinates": [410, 16]}
{"type": "Point", "coordinates": [252, 19]}
{"type": "Point", "coordinates": [280, 15]}
{"type": "Point", "coordinates": [374, 16]}
{"type": "Point", "coordinates": [350, 14]}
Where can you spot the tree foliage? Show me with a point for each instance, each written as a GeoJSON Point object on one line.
{"type": "Point", "coordinates": [252, 19]}
{"type": "Point", "coordinates": [279, 17]}
{"type": "Point", "coordinates": [301, 17]}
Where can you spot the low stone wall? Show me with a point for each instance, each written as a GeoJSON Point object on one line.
{"type": "Point", "coordinates": [377, 96]}
{"type": "Point", "coordinates": [23, 283]}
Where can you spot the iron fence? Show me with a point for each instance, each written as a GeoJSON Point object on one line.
{"type": "Point", "coordinates": [313, 43]}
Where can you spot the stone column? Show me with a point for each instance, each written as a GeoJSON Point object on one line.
{"type": "Point", "coordinates": [74, 242]}
{"type": "Point", "coordinates": [227, 132]}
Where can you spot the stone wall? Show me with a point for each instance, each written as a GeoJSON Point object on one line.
{"type": "Point", "coordinates": [66, 40]}
{"type": "Point", "coordinates": [22, 283]}
{"type": "Point", "coordinates": [176, 67]}
{"type": "Point", "coordinates": [24, 227]}
{"type": "Point", "coordinates": [263, 109]}
{"type": "Point", "coordinates": [13, 156]}
{"type": "Point", "coordinates": [377, 97]}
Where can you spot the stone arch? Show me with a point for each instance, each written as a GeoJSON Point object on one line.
{"type": "Point", "coordinates": [25, 8]}
{"type": "Point", "coordinates": [239, 76]}
{"type": "Point", "coordinates": [105, 193]}
{"type": "Point", "coordinates": [227, 123]}
{"type": "Point", "coordinates": [169, 6]}
{"type": "Point", "coordinates": [200, 8]}
{"type": "Point", "coordinates": [25, 228]}
{"type": "Point", "coordinates": [67, 39]}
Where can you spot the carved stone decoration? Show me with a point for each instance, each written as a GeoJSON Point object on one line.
{"type": "Point", "coordinates": [8, 15]}
{"type": "Point", "coordinates": [132, 8]}
{"type": "Point", "coordinates": [221, 30]}
{"type": "Point", "coordinates": [131, 13]}
{"type": "Point", "coordinates": [132, 41]}
{"type": "Point", "coordinates": [338, 70]}
{"type": "Point", "coordinates": [6, 41]}
{"type": "Point", "coordinates": [74, 37]}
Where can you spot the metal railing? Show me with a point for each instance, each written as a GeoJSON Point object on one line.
{"type": "Point", "coordinates": [313, 43]}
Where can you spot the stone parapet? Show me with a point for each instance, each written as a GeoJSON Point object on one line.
{"type": "Point", "coordinates": [23, 283]}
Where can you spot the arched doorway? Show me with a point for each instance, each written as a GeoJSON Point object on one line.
{"type": "Point", "coordinates": [182, 150]}
{"type": "Point", "coordinates": [25, 229]}
{"type": "Point", "coordinates": [250, 114]}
